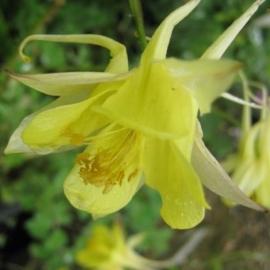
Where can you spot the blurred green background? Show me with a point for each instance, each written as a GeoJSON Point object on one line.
{"type": "Point", "coordinates": [39, 229]}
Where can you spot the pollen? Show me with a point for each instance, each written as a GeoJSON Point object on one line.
{"type": "Point", "coordinates": [112, 166]}
{"type": "Point", "coordinates": [75, 138]}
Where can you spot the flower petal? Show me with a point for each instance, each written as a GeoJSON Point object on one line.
{"type": "Point", "coordinates": [118, 63]}
{"type": "Point", "coordinates": [214, 177]}
{"type": "Point", "coordinates": [262, 191]}
{"type": "Point", "coordinates": [249, 175]}
{"type": "Point", "coordinates": [158, 45]}
{"type": "Point", "coordinates": [16, 144]}
{"type": "Point", "coordinates": [216, 50]}
{"type": "Point", "coordinates": [204, 79]}
{"type": "Point", "coordinates": [91, 198]}
{"type": "Point", "coordinates": [148, 103]}
{"type": "Point", "coordinates": [62, 84]}
{"type": "Point", "coordinates": [167, 171]}
{"type": "Point", "coordinates": [47, 128]}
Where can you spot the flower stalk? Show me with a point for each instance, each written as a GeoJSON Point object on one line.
{"type": "Point", "coordinates": [136, 9]}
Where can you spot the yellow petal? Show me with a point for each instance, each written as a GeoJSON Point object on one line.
{"type": "Point", "coordinates": [253, 168]}
{"type": "Point", "coordinates": [148, 103]}
{"type": "Point", "coordinates": [47, 128]}
{"type": "Point", "coordinates": [98, 250]}
{"type": "Point", "coordinates": [204, 79]}
{"type": "Point", "coordinates": [249, 174]}
{"type": "Point", "coordinates": [118, 63]}
{"type": "Point", "coordinates": [263, 138]}
{"type": "Point", "coordinates": [91, 198]}
{"type": "Point", "coordinates": [92, 258]}
{"type": "Point", "coordinates": [158, 45]}
{"type": "Point", "coordinates": [112, 177]}
{"type": "Point", "coordinates": [230, 163]}
{"type": "Point", "coordinates": [16, 144]}
{"type": "Point", "coordinates": [249, 142]}
{"type": "Point", "coordinates": [216, 50]}
{"type": "Point", "coordinates": [214, 177]}
{"type": "Point", "coordinates": [262, 191]}
{"type": "Point", "coordinates": [62, 84]}
{"type": "Point", "coordinates": [167, 171]}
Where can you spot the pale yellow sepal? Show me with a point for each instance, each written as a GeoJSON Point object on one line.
{"type": "Point", "coordinates": [68, 83]}
{"type": "Point", "coordinates": [15, 143]}
{"type": "Point", "coordinates": [158, 45]}
{"type": "Point", "coordinates": [147, 102]}
{"type": "Point", "coordinates": [204, 79]}
{"type": "Point", "coordinates": [217, 49]}
{"type": "Point", "coordinates": [214, 177]}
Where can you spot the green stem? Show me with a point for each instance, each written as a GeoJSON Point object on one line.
{"type": "Point", "coordinates": [136, 9]}
{"type": "Point", "coordinates": [246, 115]}
{"type": "Point", "coordinates": [226, 116]}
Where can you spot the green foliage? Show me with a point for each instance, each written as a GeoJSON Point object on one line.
{"type": "Point", "coordinates": [142, 214]}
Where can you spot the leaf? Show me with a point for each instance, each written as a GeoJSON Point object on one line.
{"type": "Point", "coordinates": [39, 226]}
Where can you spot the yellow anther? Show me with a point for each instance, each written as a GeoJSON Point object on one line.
{"type": "Point", "coordinates": [83, 159]}
{"type": "Point", "coordinates": [108, 188]}
{"type": "Point", "coordinates": [110, 167]}
{"type": "Point", "coordinates": [75, 138]}
{"type": "Point", "coordinates": [132, 175]}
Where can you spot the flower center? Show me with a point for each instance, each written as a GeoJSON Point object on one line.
{"type": "Point", "coordinates": [111, 166]}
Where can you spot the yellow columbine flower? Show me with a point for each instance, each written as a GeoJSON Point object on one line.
{"type": "Point", "coordinates": [108, 249]}
{"type": "Point", "coordinates": [250, 167]}
{"type": "Point", "coordinates": [134, 123]}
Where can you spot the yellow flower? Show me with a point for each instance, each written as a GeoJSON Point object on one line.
{"type": "Point", "coordinates": [250, 166]}
{"type": "Point", "coordinates": [140, 126]}
{"type": "Point", "coordinates": [107, 249]}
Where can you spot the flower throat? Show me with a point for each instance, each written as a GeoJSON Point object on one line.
{"type": "Point", "coordinates": [111, 166]}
